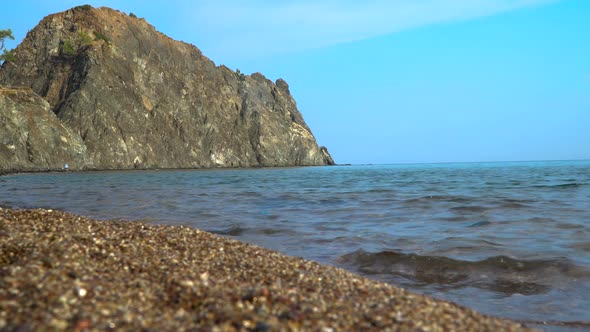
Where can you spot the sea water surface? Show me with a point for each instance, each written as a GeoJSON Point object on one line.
{"type": "Point", "coordinates": [508, 239]}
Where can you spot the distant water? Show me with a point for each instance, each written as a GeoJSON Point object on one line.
{"type": "Point", "coordinates": [508, 239]}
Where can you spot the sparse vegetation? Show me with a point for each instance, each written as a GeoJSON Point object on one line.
{"type": "Point", "coordinates": [3, 35]}
{"type": "Point", "coordinates": [6, 54]}
{"type": "Point", "coordinates": [83, 7]}
{"type": "Point", "coordinates": [132, 15]}
{"type": "Point", "coordinates": [67, 48]}
{"type": "Point", "coordinates": [84, 39]}
{"type": "Point", "coordinates": [72, 47]}
{"type": "Point", "coordinates": [240, 75]}
{"type": "Point", "coordinates": [101, 36]}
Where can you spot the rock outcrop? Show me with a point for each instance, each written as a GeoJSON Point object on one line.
{"type": "Point", "coordinates": [130, 97]}
{"type": "Point", "coordinates": [32, 137]}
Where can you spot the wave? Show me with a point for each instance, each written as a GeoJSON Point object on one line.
{"type": "Point", "coordinates": [480, 224]}
{"type": "Point", "coordinates": [237, 230]}
{"type": "Point", "coordinates": [515, 203]}
{"type": "Point", "coordinates": [561, 185]}
{"type": "Point", "coordinates": [439, 198]}
{"type": "Point", "coordinates": [514, 206]}
{"type": "Point", "coordinates": [584, 246]}
{"type": "Point", "coordinates": [380, 191]}
{"type": "Point", "coordinates": [233, 230]}
{"type": "Point", "coordinates": [468, 209]}
{"type": "Point", "coordinates": [501, 274]}
{"type": "Point", "coordinates": [565, 185]}
{"type": "Point", "coordinates": [274, 231]}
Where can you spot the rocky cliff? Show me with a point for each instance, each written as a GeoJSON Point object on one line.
{"type": "Point", "coordinates": [130, 97]}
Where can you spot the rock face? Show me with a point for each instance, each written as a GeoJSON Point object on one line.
{"type": "Point", "coordinates": [32, 137]}
{"type": "Point", "coordinates": [138, 99]}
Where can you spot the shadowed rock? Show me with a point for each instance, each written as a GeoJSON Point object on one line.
{"type": "Point", "coordinates": [32, 137]}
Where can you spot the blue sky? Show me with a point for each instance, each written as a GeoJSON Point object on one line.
{"type": "Point", "coordinates": [394, 81]}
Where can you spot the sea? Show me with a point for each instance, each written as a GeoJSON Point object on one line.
{"type": "Point", "coordinates": [509, 239]}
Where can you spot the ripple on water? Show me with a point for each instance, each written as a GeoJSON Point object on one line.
{"type": "Point", "coordinates": [567, 225]}
{"type": "Point", "coordinates": [466, 213]}
{"type": "Point", "coordinates": [275, 231]}
{"type": "Point", "coordinates": [541, 220]}
{"type": "Point", "coordinates": [561, 186]}
{"type": "Point", "coordinates": [500, 274]}
{"type": "Point", "coordinates": [584, 246]}
{"type": "Point", "coordinates": [233, 230]}
{"type": "Point", "coordinates": [439, 198]}
{"type": "Point", "coordinates": [480, 224]}
{"type": "Point", "coordinates": [468, 209]}
{"type": "Point", "coordinates": [513, 205]}
{"type": "Point", "coordinates": [381, 191]}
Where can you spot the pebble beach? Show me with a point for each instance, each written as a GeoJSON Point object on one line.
{"type": "Point", "coordinates": [60, 271]}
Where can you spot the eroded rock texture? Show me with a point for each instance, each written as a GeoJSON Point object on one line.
{"type": "Point", "coordinates": [32, 137]}
{"type": "Point", "coordinates": [138, 99]}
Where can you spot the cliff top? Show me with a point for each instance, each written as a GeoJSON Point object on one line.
{"type": "Point", "coordinates": [89, 28]}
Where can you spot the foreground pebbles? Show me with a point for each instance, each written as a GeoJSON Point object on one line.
{"type": "Point", "coordinates": [60, 271]}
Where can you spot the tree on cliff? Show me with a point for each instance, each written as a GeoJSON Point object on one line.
{"type": "Point", "coordinates": [6, 55]}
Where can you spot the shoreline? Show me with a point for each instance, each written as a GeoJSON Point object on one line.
{"type": "Point", "coordinates": [61, 271]}
{"type": "Point", "coordinates": [91, 170]}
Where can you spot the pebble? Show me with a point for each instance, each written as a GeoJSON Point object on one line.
{"type": "Point", "coordinates": [64, 272]}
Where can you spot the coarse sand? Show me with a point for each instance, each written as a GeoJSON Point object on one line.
{"type": "Point", "coordinates": [60, 271]}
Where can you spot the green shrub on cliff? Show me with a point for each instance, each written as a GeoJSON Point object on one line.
{"type": "Point", "coordinates": [101, 36]}
{"type": "Point", "coordinates": [67, 48]}
{"type": "Point", "coordinates": [83, 7]}
{"type": "Point", "coordinates": [3, 35]}
{"type": "Point", "coordinates": [73, 46]}
{"type": "Point", "coordinates": [6, 54]}
{"type": "Point", "coordinates": [84, 38]}
{"type": "Point", "coordinates": [132, 15]}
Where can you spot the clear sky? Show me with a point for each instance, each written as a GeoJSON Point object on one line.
{"type": "Point", "coordinates": [394, 81]}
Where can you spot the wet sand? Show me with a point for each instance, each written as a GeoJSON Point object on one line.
{"type": "Point", "coordinates": [60, 271]}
